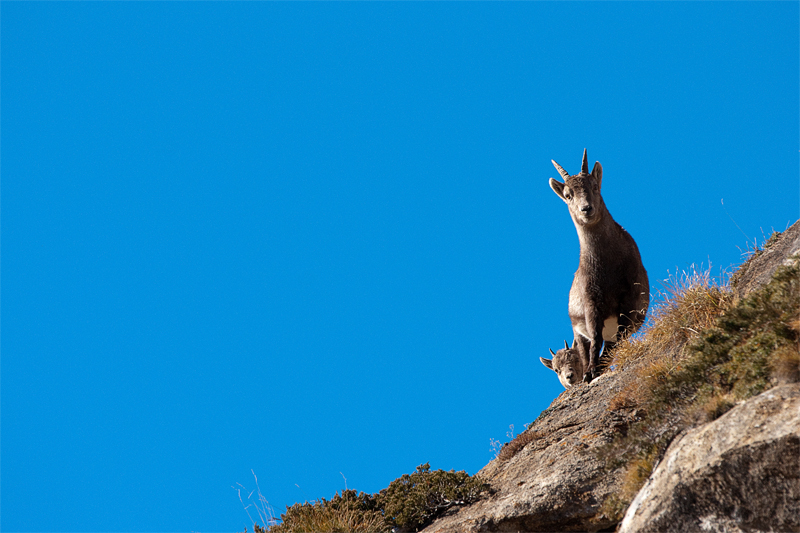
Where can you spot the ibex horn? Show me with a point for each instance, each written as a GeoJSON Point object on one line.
{"type": "Point", "coordinates": [585, 164]}
{"type": "Point", "coordinates": [566, 346]}
{"type": "Point", "coordinates": [552, 352]}
{"type": "Point", "coordinates": [564, 173]}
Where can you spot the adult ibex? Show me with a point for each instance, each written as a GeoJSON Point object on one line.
{"type": "Point", "coordinates": [610, 292]}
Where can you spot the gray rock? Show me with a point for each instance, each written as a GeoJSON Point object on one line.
{"type": "Point", "coordinates": [738, 473]}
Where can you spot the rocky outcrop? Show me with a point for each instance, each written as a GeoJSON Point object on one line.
{"type": "Point", "coordinates": [740, 472]}
{"type": "Point", "coordinates": [760, 267]}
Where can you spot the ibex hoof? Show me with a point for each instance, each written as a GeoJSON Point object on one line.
{"type": "Point", "coordinates": [588, 377]}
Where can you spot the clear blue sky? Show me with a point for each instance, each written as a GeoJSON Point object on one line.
{"type": "Point", "coordinates": [316, 239]}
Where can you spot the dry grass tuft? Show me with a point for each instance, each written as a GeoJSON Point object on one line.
{"type": "Point", "coordinates": [625, 399]}
{"type": "Point", "coordinates": [635, 476]}
{"type": "Point", "coordinates": [346, 512]}
{"type": "Point", "coordinates": [523, 439]}
{"type": "Point", "coordinates": [785, 365]}
{"type": "Point", "coordinates": [688, 304]}
{"type": "Point", "coordinates": [707, 406]}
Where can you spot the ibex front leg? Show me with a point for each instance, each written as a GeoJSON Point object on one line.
{"type": "Point", "coordinates": [594, 334]}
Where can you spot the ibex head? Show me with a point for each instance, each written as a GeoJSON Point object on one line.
{"type": "Point", "coordinates": [581, 192]}
{"type": "Point", "coordinates": [567, 363]}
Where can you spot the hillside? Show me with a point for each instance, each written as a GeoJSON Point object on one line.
{"type": "Point", "coordinates": [579, 465]}
{"type": "Point", "coordinates": [681, 432]}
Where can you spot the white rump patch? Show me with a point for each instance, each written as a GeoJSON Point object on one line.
{"type": "Point", "coordinates": [610, 327]}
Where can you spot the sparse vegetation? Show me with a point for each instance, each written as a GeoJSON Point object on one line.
{"type": "Point", "coordinates": [259, 504]}
{"type": "Point", "coordinates": [703, 352]}
{"type": "Point", "coordinates": [497, 446]}
{"type": "Point", "coordinates": [408, 504]}
{"type": "Point", "coordinates": [505, 451]}
{"type": "Point", "coordinates": [511, 449]}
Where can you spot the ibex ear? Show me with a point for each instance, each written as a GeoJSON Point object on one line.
{"type": "Point", "coordinates": [597, 173]}
{"type": "Point", "coordinates": [547, 362]}
{"type": "Point", "coordinates": [558, 188]}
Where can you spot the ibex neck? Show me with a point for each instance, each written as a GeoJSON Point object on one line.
{"type": "Point", "coordinates": [600, 236]}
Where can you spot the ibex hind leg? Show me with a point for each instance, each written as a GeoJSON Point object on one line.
{"type": "Point", "coordinates": [627, 326]}
{"type": "Point", "coordinates": [629, 323]}
{"type": "Point", "coordinates": [606, 357]}
{"type": "Point", "coordinates": [633, 312]}
{"type": "Point", "coordinates": [605, 336]}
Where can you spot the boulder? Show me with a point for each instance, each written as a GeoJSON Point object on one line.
{"type": "Point", "coordinates": [740, 472]}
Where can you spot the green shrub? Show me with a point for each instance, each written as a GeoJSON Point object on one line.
{"type": "Point", "coordinates": [413, 500]}
{"type": "Point", "coordinates": [740, 356]}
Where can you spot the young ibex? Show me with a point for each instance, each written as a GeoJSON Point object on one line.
{"type": "Point", "coordinates": [610, 292]}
